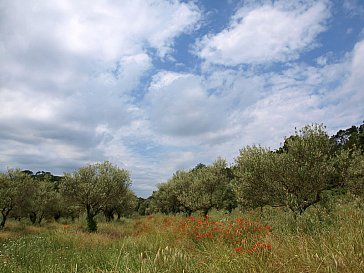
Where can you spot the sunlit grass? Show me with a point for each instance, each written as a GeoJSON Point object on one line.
{"type": "Point", "coordinates": [318, 242]}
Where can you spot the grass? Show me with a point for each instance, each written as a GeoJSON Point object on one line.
{"type": "Point", "coordinates": [320, 241]}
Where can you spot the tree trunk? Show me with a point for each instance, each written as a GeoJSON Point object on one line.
{"type": "Point", "coordinates": [4, 213]}
{"type": "Point", "coordinates": [109, 214]}
{"type": "Point", "coordinates": [91, 223]}
{"type": "Point", "coordinates": [205, 211]}
{"type": "Point", "coordinates": [3, 220]}
{"type": "Point", "coordinates": [40, 218]}
{"type": "Point", "coordinates": [57, 216]}
{"type": "Point", "coordinates": [33, 217]}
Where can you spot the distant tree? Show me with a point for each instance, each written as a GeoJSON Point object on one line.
{"type": "Point", "coordinates": [143, 206]}
{"type": "Point", "coordinates": [28, 172]}
{"type": "Point", "coordinates": [165, 199]}
{"type": "Point", "coordinates": [257, 178]}
{"type": "Point", "coordinates": [95, 187]}
{"type": "Point", "coordinates": [15, 192]}
{"type": "Point", "coordinates": [126, 205]}
{"type": "Point", "coordinates": [181, 186]}
{"type": "Point", "coordinates": [199, 166]}
{"type": "Point", "coordinates": [205, 187]}
{"type": "Point", "coordinates": [350, 138]}
{"type": "Point", "coordinates": [43, 201]}
{"type": "Point", "coordinates": [201, 188]}
{"type": "Point", "coordinates": [355, 181]}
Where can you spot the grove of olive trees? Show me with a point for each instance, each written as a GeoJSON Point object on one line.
{"type": "Point", "coordinates": [296, 176]}
{"type": "Point", "coordinates": [92, 189]}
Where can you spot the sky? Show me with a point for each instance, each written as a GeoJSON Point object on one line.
{"type": "Point", "coordinates": [159, 86]}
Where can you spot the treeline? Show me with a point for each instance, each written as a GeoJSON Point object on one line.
{"type": "Point", "coordinates": [92, 189]}
{"type": "Point", "coordinates": [307, 169]}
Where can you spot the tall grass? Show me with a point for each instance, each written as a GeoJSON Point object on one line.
{"type": "Point", "coordinates": [320, 241]}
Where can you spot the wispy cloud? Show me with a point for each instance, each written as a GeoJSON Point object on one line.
{"type": "Point", "coordinates": [266, 33]}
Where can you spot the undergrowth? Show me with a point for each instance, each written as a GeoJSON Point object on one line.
{"type": "Point", "coordinates": [267, 240]}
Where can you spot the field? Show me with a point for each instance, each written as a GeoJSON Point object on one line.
{"type": "Point", "coordinates": [267, 240]}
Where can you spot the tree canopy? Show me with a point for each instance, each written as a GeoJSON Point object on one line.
{"type": "Point", "coordinates": [94, 187]}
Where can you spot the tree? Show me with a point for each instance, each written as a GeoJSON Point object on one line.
{"type": "Point", "coordinates": [201, 188]}
{"type": "Point", "coordinates": [355, 182]}
{"type": "Point", "coordinates": [256, 182]}
{"type": "Point", "coordinates": [165, 199]}
{"type": "Point", "coordinates": [306, 168]}
{"type": "Point", "coordinates": [295, 176]}
{"type": "Point", "coordinates": [43, 201]}
{"type": "Point", "coordinates": [350, 138]}
{"type": "Point", "coordinates": [14, 192]}
{"type": "Point", "coordinates": [127, 204]}
{"type": "Point", "coordinates": [207, 187]}
{"type": "Point", "coordinates": [181, 186]}
{"type": "Point", "coordinates": [95, 187]}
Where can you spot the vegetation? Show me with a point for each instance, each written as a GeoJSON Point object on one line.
{"type": "Point", "coordinates": [95, 188]}
{"type": "Point", "coordinates": [258, 241]}
{"type": "Point", "coordinates": [271, 211]}
{"type": "Point", "coordinates": [307, 168]}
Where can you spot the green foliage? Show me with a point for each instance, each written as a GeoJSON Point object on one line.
{"type": "Point", "coordinates": [95, 187]}
{"type": "Point", "coordinates": [207, 187]}
{"type": "Point", "coordinates": [295, 176]}
{"type": "Point", "coordinates": [43, 201]}
{"type": "Point", "coordinates": [256, 178]}
{"type": "Point", "coordinates": [202, 188]}
{"type": "Point", "coordinates": [307, 168]}
{"type": "Point", "coordinates": [356, 174]}
{"type": "Point", "coordinates": [16, 190]}
{"type": "Point", "coordinates": [165, 200]}
{"type": "Point", "coordinates": [350, 138]}
{"type": "Point", "coordinates": [127, 204]}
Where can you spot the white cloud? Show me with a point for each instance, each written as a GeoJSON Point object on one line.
{"type": "Point", "coordinates": [179, 106]}
{"type": "Point", "coordinates": [331, 94]}
{"type": "Point", "coordinates": [105, 29]}
{"type": "Point", "coordinates": [265, 34]}
{"type": "Point", "coordinates": [68, 69]}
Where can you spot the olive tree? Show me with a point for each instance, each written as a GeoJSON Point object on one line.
{"type": "Point", "coordinates": [256, 178]}
{"type": "Point", "coordinates": [207, 187]}
{"type": "Point", "coordinates": [181, 186]}
{"type": "Point", "coordinates": [43, 201]}
{"type": "Point", "coordinates": [295, 176]}
{"type": "Point", "coordinates": [202, 188]}
{"type": "Point", "coordinates": [306, 168]}
{"type": "Point", "coordinates": [15, 192]}
{"type": "Point", "coordinates": [165, 199]}
{"type": "Point", "coordinates": [95, 187]}
{"type": "Point", "coordinates": [127, 204]}
{"type": "Point", "coordinates": [355, 182]}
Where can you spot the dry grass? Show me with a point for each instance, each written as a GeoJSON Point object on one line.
{"type": "Point", "coordinates": [334, 243]}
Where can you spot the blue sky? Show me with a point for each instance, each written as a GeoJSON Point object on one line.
{"type": "Point", "coordinates": [157, 86]}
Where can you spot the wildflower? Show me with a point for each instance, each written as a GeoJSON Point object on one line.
{"type": "Point", "coordinates": [238, 248]}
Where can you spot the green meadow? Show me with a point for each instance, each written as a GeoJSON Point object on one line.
{"type": "Point", "coordinates": [261, 240]}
